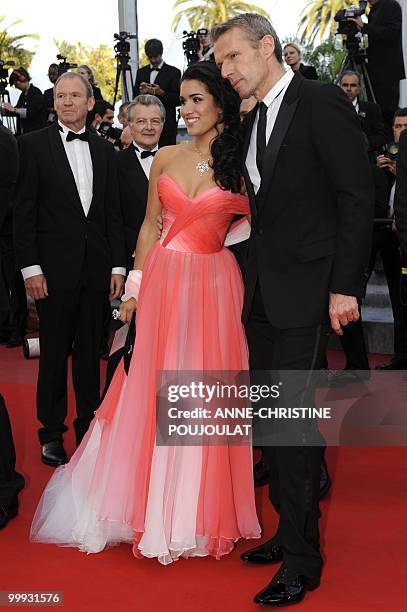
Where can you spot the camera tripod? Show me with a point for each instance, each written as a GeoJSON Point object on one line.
{"type": "Point", "coordinates": [123, 69]}
{"type": "Point", "coordinates": [8, 120]}
{"type": "Point", "coordinates": [356, 60]}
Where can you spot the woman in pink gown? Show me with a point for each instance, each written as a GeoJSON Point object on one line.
{"type": "Point", "coordinates": [119, 486]}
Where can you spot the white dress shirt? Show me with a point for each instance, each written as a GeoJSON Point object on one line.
{"type": "Point", "coordinates": [147, 162]}
{"type": "Point", "coordinates": [154, 72]}
{"type": "Point", "coordinates": [80, 161]}
{"type": "Point", "coordinates": [355, 103]}
{"type": "Point", "coordinates": [273, 102]}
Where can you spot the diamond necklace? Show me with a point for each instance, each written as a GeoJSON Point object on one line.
{"type": "Point", "coordinates": [203, 165]}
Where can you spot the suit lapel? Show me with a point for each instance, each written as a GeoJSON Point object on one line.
{"type": "Point", "coordinates": [249, 121]}
{"type": "Point", "coordinates": [98, 167]}
{"type": "Point", "coordinates": [283, 121]}
{"type": "Point", "coordinates": [63, 167]}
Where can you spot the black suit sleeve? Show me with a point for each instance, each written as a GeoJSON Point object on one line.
{"type": "Point", "coordinates": [8, 172]}
{"type": "Point", "coordinates": [25, 211]}
{"type": "Point", "coordinates": [375, 132]}
{"type": "Point", "coordinates": [388, 26]}
{"type": "Point", "coordinates": [35, 105]}
{"type": "Point", "coordinates": [171, 96]}
{"type": "Point", "coordinates": [115, 229]}
{"type": "Point", "coordinates": [339, 141]}
{"type": "Point", "coordinates": [400, 200]}
{"type": "Point", "coordinates": [140, 78]}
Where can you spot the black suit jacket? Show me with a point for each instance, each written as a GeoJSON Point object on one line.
{"type": "Point", "coordinates": [385, 51]}
{"type": "Point", "coordinates": [371, 118]}
{"type": "Point", "coordinates": [34, 102]}
{"type": "Point", "coordinates": [400, 200]}
{"type": "Point", "coordinates": [50, 226]}
{"type": "Point", "coordinates": [308, 72]}
{"type": "Point", "coordinates": [169, 79]}
{"type": "Point", "coordinates": [312, 218]}
{"type": "Point", "coordinates": [133, 186]}
{"type": "Point", "coordinates": [8, 179]}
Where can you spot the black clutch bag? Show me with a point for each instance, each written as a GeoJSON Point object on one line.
{"type": "Point", "coordinates": [125, 353]}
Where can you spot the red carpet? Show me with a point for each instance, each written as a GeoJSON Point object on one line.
{"type": "Point", "coordinates": [363, 532]}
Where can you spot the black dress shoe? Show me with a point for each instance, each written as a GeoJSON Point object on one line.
{"type": "Point", "coordinates": [8, 512]}
{"type": "Point", "coordinates": [325, 480]}
{"type": "Point", "coordinates": [14, 341]}
{"type": "Point", "coordinates": [270, 552]}
{"type": "Point", "coordinates": [285, 590]}
{"type": "Point", "coordinates": [346, 377]}
{"type": "Point", "coordinates": [261, 473]}
{"type": "Point", "coordinates": [53, 453]}
{"type": "Point", "coordinates": [394, 364]}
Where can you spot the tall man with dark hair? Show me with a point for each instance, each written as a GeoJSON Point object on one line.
{"type": "Point", "coordinates": [163, 81]}
{"type": "Point", "coordinates": [385, 53]}
{"type": "Point", "coordinates": [307, 257]}
{"type": "Point", "coordinates": [70, 248]}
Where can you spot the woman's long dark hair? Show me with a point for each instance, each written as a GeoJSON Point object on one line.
{"type": "Point", "coordinates": [226, 148]}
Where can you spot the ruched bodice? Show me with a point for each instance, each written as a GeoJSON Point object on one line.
{"type": "Point", "coordinates": [200, 224]}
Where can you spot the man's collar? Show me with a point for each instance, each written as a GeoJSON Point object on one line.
{"type": "Point", "coordinates": [65, 129]}
{"type": "Point", "coordinates": [139, 149]}
{"type": "Point", "coordinates": [157, 67]}
{"type": "Point", "coordinates": [278, 87]}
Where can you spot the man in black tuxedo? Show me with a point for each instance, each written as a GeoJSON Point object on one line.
{"type": "Point", "coordinates": [163, 81]}
{"type": "Point", "coordinates": [146, 118]}
{"type": "Point", "coordinates": [70, 248]}
{"type": "Point", "coordinates": [385, 53]}
{"type": "Point", "coordinates": [13, 300]}
{"type": "Point", "coordinates": [308, 178]}
{"type": "Point", "coordinates": [370, 114]}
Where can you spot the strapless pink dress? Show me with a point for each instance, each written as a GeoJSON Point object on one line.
{"type": "Point", "coordinates": [119, 486]}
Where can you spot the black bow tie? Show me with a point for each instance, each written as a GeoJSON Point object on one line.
{"type": "Point", "coordinates": [152, 68]}
{"type": "Point", "coordinates": [145, 154]}
{"type": "Point", "coordinates": [72, 136]}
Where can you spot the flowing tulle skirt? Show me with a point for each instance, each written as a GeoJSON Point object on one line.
{"type": "Point", "coordinates": [119, 486]}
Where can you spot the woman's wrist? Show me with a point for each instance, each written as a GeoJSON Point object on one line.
{"type": "Point", "coordinates": [132, 286]}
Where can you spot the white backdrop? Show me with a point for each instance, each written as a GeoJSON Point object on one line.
{"type": "Point", "coordinates": [403, 84]}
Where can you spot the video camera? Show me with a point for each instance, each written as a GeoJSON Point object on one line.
{"type": "Point", "coordinates": [4, 69]}
{"type": "Point", "coordinates": [346, 27]}
{"type": "Point", "coordinates": [122, 47]}
{"type": "Point", "coordinates": [109, 132]}
{"type": "Point", "coordinates": [63, 65]}
{"type": "Point", "coordinates": [191, 46]}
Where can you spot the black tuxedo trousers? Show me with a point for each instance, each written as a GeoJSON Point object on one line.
{"type": "Point", "coordinates": [11, 482]}
{"type": "Point", "coordinates": [294, 470]}
{"type": "Point", "coordinates": [71, 322]}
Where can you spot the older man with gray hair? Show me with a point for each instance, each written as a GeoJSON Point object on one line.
{"type": "Point", "coordinates": [146, 117]}
{"type": "Point", "coordinates": [69, 247]}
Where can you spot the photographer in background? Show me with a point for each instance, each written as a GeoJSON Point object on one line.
{"type": "Point", "coordinates": [101, 119]}
{"type": "Point", "coordinates": [385, 53]}
{"type": "Point", "coordinates": [205, 52]}
{"type": "Point", "coordinates": [293, 56]}
{"type": "Point", "coordinates": [385, 242]}
{"type": "Point", "coordinates": [30, 109]}
{"type": "Point", "coordinates": [370, 114]}
{"type": "Point", "coordinates": [163, 81]}
{"type": "Point", "coordinates": [53, 75]}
